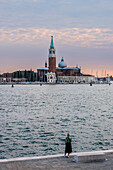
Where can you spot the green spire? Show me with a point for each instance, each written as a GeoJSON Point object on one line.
{"type": "Point", "coordinates": [52, 45]}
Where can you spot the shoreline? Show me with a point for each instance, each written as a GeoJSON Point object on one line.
{"type": "Point", "coordinates": [59, 162]}
{"type": "Point", "coordinates": [53, 156]}
{"type": "Point", "coordinates": [43, 83]}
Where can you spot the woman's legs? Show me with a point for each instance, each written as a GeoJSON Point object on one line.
{"type": "Point", "coordinates": [68, 154]}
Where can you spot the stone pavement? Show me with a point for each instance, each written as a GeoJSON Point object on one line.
{"type": "Point", "coordinates": [56, 163]}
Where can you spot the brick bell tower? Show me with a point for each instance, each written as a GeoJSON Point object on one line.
{"type": "Point", "coordinates": [52, 57]}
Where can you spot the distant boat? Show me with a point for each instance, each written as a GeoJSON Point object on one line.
{"type": "Point", "coordinates": [90, 84]}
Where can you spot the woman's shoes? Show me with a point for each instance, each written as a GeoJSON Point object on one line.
{"type": "Point", "coordinates": [66, 156]}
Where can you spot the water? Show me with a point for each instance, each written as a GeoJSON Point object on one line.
{"type": "Point", "coordinates": [34, 120]}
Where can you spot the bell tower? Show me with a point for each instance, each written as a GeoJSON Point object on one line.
{"type": "Point", "coordinates": [52, 57]}
{"type": "Point", "coordinates": [51, 75]}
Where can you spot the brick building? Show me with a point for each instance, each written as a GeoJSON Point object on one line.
{"type": "Point", "coordinates": [62, 73]}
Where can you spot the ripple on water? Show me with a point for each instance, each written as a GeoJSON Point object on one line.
{"type": "Point", "coordinates": [25, 146]}
{"type": "Point", "coordinates": [6, 138]}
{"type": "Point", "coordinates": [26, 130]}
{"type": "Point", "coordinates": [2, 151]}
{"type": "Point", "coordinates": [36, 120]}
{"type": "Point", "coordinates": [27, 138]}
{"type": "Point", "coordinates": [99, 143]}
{"type": "Point", "coordinates": [49, 149]}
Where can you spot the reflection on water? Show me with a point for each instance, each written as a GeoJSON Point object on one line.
{"type": "Point", "coordinates": [34, 120]}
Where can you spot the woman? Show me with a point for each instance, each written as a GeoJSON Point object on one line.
{"type": "Point", "coordinates": [68, 147]}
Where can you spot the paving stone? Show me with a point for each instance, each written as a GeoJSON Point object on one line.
{"type": "Point", "coordinates": [59, 163]}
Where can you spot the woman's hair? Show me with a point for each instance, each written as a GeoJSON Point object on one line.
{"type": "Point", "coordinates": [68, 134]}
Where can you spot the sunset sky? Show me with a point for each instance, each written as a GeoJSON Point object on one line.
{"type": "Point", "coordinates": [82, 31]}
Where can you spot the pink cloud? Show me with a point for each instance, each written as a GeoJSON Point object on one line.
{"type": "Point", "coordinates": [94, 37]}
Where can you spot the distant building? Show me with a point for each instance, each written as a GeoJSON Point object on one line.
{"type": "Point", "coordinates": [106, 79]}
{"type": "Point", "coordinates": [62, 73]}
{"type": "Point", "coordinates": [50, 73]}
{"type": "Point", "coordinates": [26, 75]}
{"type": "Point", "coordinates": [7, 75]}
{"type": "Point", "coordinates": [18, 79]}
{"type": "Point", "coordinates": [5, 79]}
{"type": "Point", "coordinates": [19, 76]}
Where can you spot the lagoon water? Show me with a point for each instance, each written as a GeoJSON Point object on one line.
{"type": "Point", "coordinates": [34, 120]}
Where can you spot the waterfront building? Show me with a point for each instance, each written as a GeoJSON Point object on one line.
{"type": "Point", "coordinates": [19, 76]}
{"type": "Point", "coordinates": [52, 58]}
{"type": "Point", "coordinates": [5, 79]}
{"type": "Point", "coordinates": [62, 73]}
{"type": "Point", "coordinates": [26, 75]}
{"type": "Point", "coordinates": [106, 79]}
{"type": "Point", "coordinates": [42, 73]}
{"type": "Point", "coordinates": [51, 75]}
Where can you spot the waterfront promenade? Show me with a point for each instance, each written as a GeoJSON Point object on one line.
{"type": "Point", "coordinates": [58, 162]}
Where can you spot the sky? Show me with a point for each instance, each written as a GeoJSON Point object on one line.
{"type": "Point", "coordinates": [82, 31]}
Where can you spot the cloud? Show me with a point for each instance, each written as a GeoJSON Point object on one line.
{"type": "Point", "coordinates": [55, 14]}
{"type": "Point", "coordinates": [82, 37]}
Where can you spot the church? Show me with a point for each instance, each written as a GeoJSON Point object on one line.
{"type": "Point", "coordinates": [62, 73]}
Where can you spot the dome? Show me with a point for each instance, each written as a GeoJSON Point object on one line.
{"type": "Point", "coordinates": [77, 68]}
{"type": "Point", "coordinates": [62, 64]}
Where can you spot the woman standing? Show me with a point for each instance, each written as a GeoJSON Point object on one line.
{"type": "Point", "coordinates": [68, 147]}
